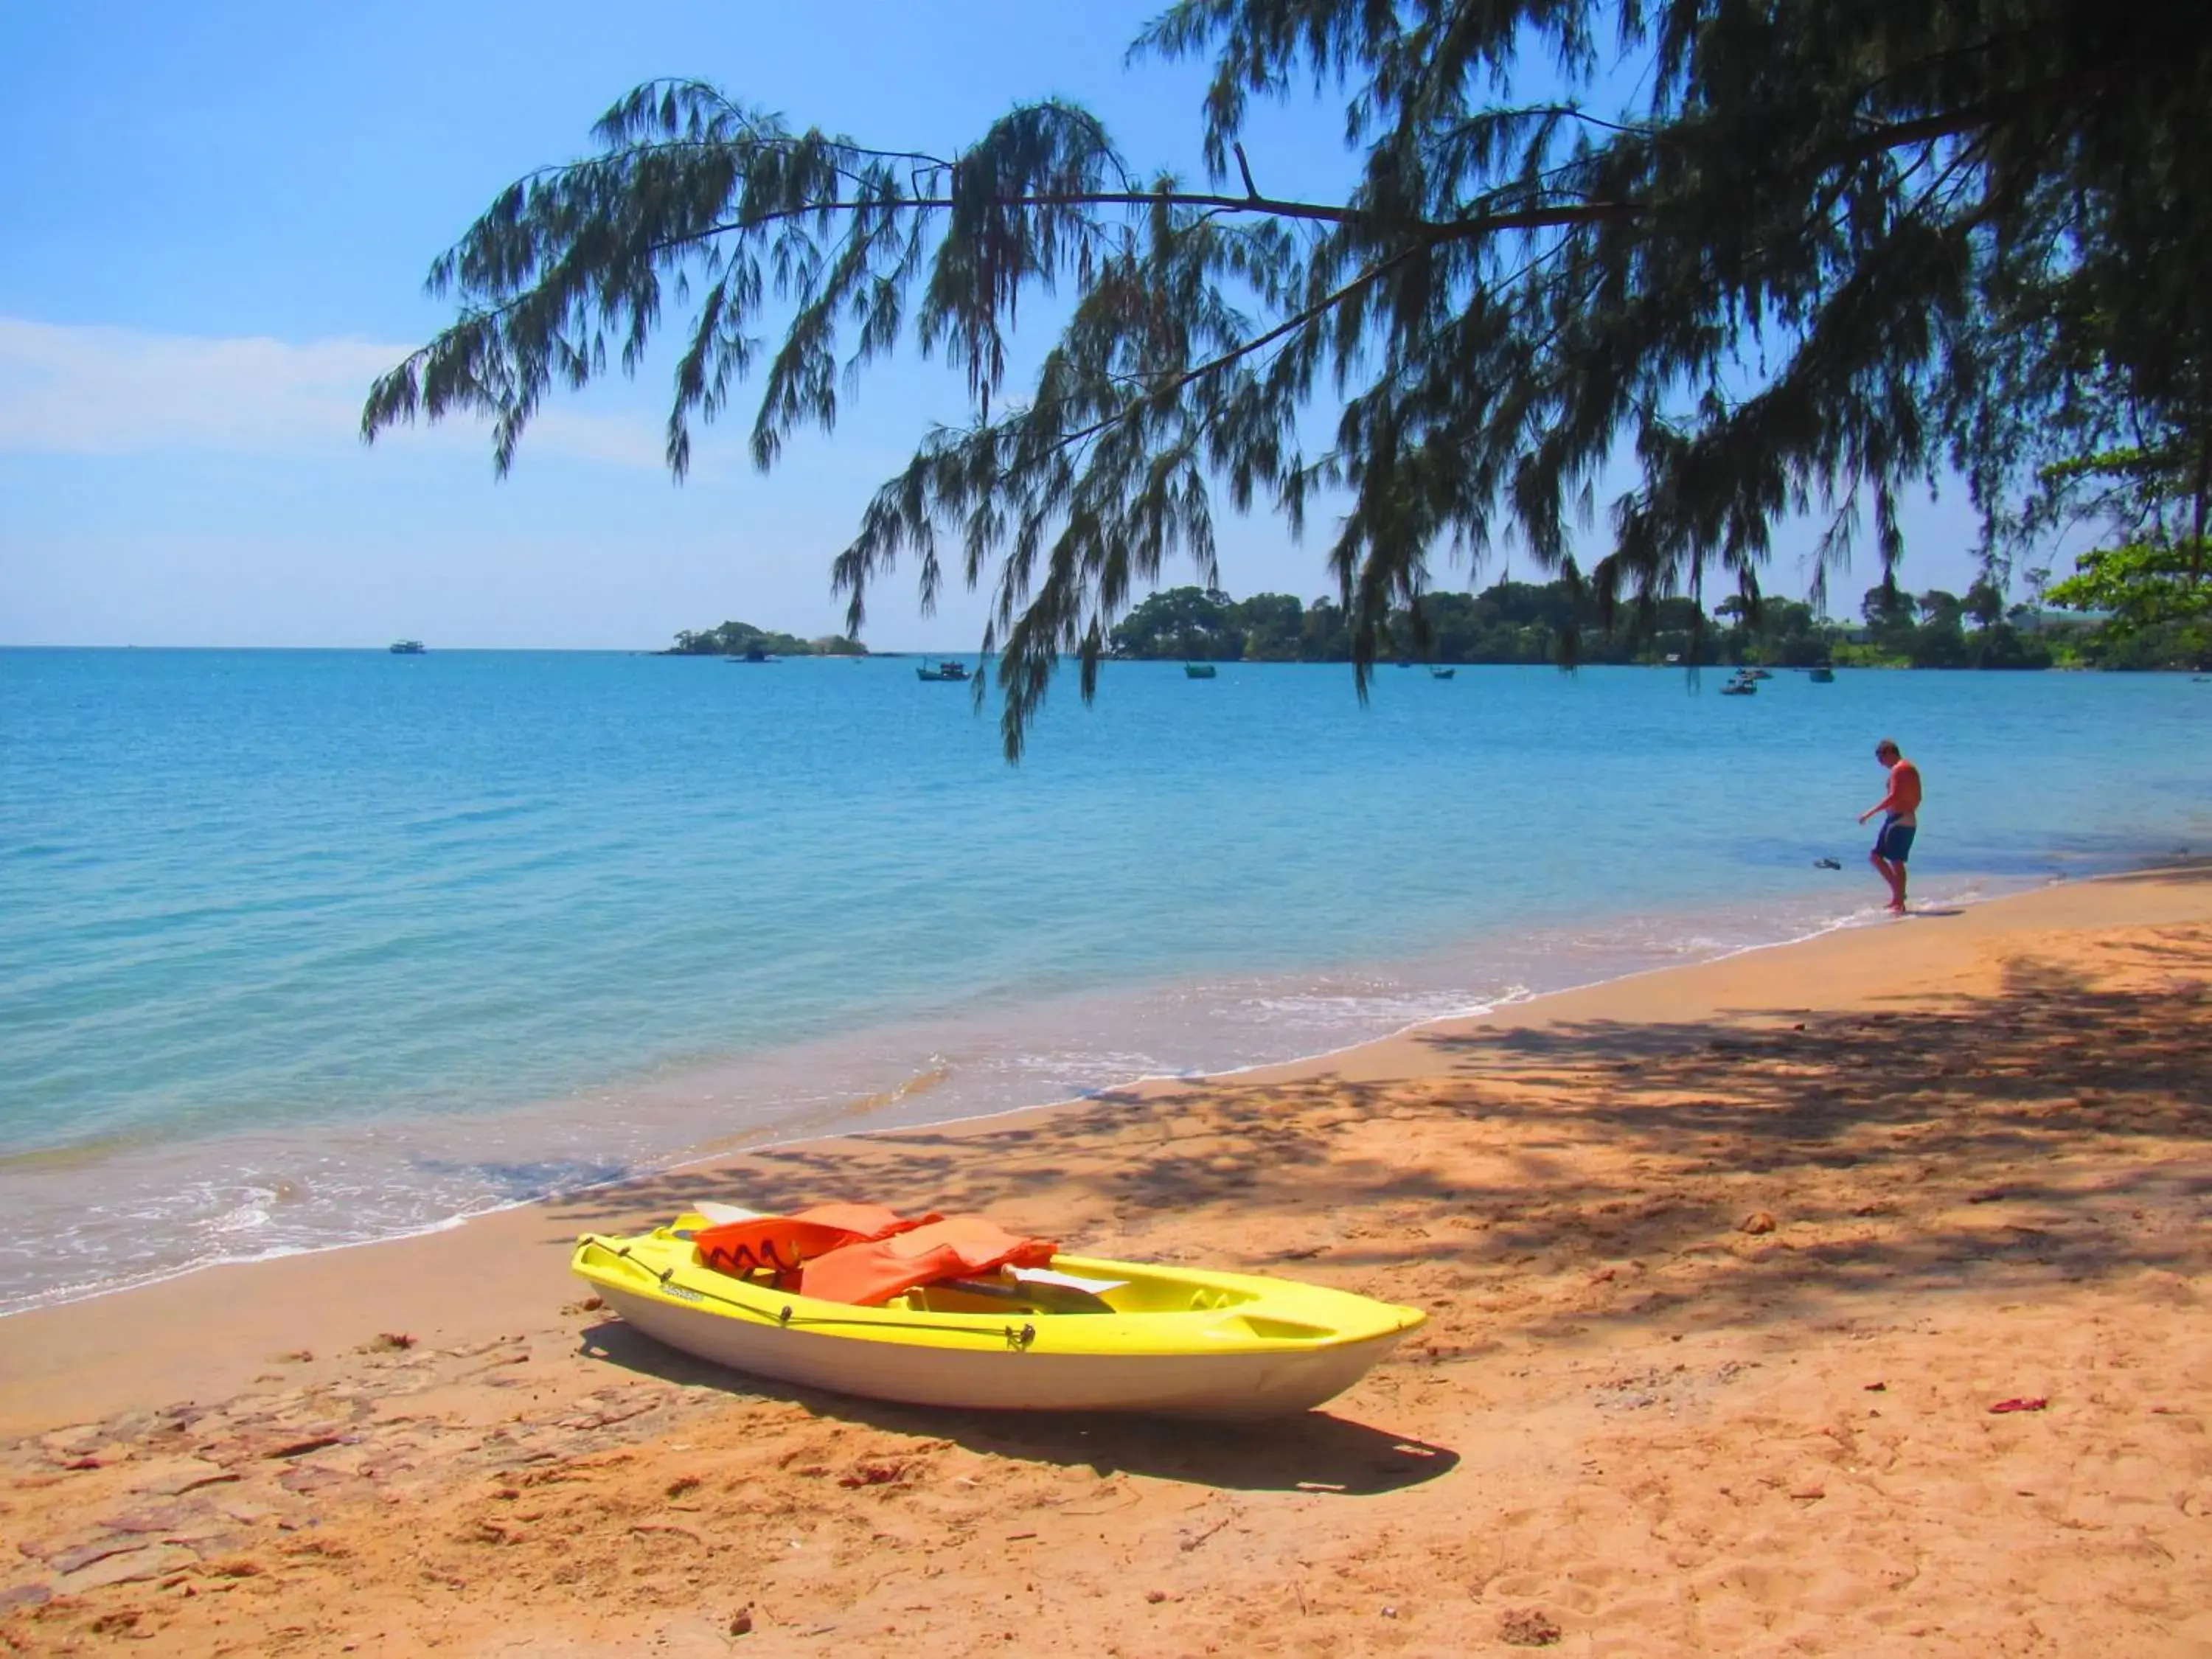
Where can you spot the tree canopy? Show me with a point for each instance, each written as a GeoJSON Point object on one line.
{"type": "Point", "coordinates": [1823, 252]}
{"type": "Point", "coordinates": [2148, 578]}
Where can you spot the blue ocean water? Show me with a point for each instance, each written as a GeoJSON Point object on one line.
{"type": "Point", "coordinates": [298, 948]}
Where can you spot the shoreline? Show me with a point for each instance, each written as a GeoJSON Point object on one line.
{"type": "Point", "coordinates": [1364, 1060]}
{"type": "Point", "coordinates": [834, 1119]}
{"type": "Point", "coordinates": [1839, 1296]}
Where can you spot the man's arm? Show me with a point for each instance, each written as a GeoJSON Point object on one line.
{"type": "Point", "coordinates": [1887, 803]}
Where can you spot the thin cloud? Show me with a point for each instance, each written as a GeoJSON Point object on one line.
{"type": "Point", "coordinates": [68, 389]}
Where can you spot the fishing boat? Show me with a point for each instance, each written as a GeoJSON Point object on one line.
{"type": "Point", "coordinates": [1442, 673]}
{"type": "Point", "coordinates": [950, 669]}
{"type": "Point", "coordinates": [406, 648]}
{"type": "Point", "coordinates": [1741, 684]}
{"type": "Point", "coordinates": [1822, 676]}
{"type": "Point", "coordinates": [1198, 671]}
{"type": "Point", "coordinates": [1078, 1334]}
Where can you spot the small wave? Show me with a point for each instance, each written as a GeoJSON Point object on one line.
{"type": "Point", "coordinates": [246, 1218]}
{"type": "Point", "coordinates": [921, 1083]}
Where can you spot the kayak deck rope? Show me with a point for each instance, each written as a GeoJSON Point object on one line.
{"type": "Point", "coordinates": [1019, 1339]}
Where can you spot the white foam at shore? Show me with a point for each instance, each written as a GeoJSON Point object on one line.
{"type": "Point", "coordinates": [255, 1197]}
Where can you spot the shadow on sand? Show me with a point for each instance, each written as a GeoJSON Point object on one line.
{"type": "Point", "coordinates": [1315, 1452]}
{"type": "Point", "coordinates": [2033, 1134]}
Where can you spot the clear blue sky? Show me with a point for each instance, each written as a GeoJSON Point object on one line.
{"type": "Point", "coordinates": [214, 233]}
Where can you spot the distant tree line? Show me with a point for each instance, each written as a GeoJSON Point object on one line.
{"type": "Point", "coordinates": [1513, 621]}
{"type": "Point", "coordinates": [736, 639]}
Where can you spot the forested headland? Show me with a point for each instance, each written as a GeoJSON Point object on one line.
{"type": "Point", "coordinates": [1513, 621]}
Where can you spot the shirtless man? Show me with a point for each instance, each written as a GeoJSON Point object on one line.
{"type": "Point", "coordinates": [1902, 806]}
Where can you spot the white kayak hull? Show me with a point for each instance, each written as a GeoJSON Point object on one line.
{"type": "Point", "coordinates": [1012, 1376]}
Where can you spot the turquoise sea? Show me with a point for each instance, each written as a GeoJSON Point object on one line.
{"type": "Point", "coordinates": [299, 949]}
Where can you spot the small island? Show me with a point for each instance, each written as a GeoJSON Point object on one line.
{"type": "Point", "coordinates": [738, 638]}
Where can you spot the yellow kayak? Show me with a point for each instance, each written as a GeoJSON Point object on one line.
{"type": "Point", "coordinates": [1085, 1334]}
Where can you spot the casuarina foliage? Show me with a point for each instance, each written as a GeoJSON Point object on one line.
{"type": "Point", "coordinates": [1820, 253]}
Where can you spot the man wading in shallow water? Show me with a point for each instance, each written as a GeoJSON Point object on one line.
{"type": "Point", "coordinates": [1902, 804]}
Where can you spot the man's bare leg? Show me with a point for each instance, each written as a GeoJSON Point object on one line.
{"type": "Point", "coordinates": [1893, 873]}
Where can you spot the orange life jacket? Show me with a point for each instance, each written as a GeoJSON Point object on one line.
{"type": "Point", "coordinates": [871, 1271]}
{"type": "Point", "coordinates": [781, 1244]}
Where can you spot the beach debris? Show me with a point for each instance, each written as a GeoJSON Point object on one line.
{"type": "Point", "coordinates": [1758, 1221]}
{"type": "Point", "coordinates": [314, 1443]}
{"type": "Point", "coordinates": [388, 1342]}
{"type": "Point", "coordinates": [872, 1474]}
{"type": "Point", "coordinates": [2029, 1403]}
{"type": "Point", "coordinates": [741, 1622]}
{"type": "Point", "coordinates": [1808, 1494]}
{"type": "Point", "coordinates": [1526, 1628]}
{"type": "Point", "coordinates": [1876, 1387]}
{"type": "Point", "coordinates": [1191, 1539]}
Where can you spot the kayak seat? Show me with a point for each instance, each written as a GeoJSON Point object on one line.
{"type": "Point", "coordinates": [780, 1245]}
{"type": "Point", "coordinates": [1044, 1297]}
{"type": "Point", "coordinates": [868, 1273]}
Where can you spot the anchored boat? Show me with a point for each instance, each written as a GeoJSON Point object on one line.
{"type": "Point", "coordinates": [950, 669]}
{"type": "Point", "coordinates": [1076, 1333]}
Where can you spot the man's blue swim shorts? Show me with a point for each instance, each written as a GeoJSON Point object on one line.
{"type": "Point", "coordinates": [1895, 841]}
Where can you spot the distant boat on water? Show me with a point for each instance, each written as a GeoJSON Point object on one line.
{"type": "Point", "coordinates": [950, 669]}
{"type": "Point", "coordinates": [407, 647]}
{"type": "Point", "coordinates": [1822, 676]}
{"type": "Point", "coordinates": [1436, 673]}
{"type": "Point", "coordinates": [1198, 671]}
{"type": "Point", "coordinates": [1741, 684]}
{"type": "Point", "coordinates": [754, 653]}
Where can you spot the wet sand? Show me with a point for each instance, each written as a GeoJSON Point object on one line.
{"type": "Point", "coordinates": [1728, 1266]}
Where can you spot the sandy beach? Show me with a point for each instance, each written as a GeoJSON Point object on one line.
{"type": "Point", "coordinates": [1846, 1297]}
